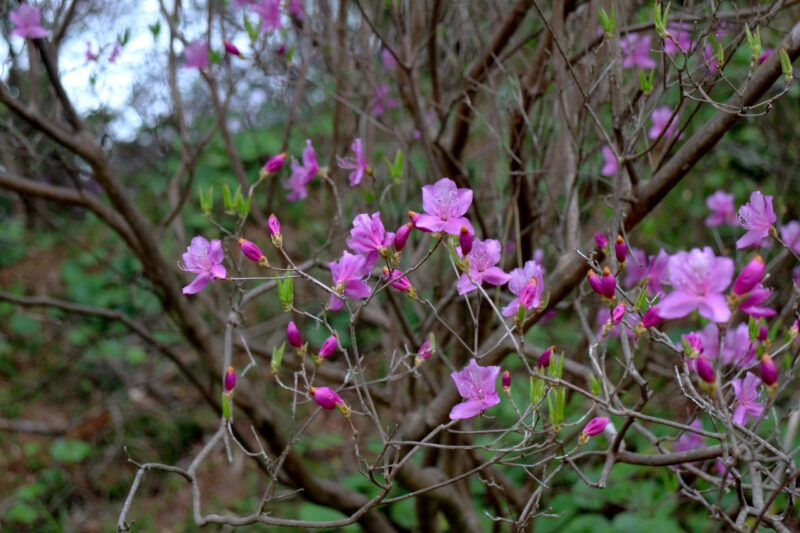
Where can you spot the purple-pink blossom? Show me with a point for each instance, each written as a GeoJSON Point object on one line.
{"type": "Point", "coordinates": [383, 100]}
{"type": "Point", "coordinates": [270, 12]}
{"type": "Point", "coordinates": [478, 386]}
{"type": "Point", "coordinates": [652, 270]}
{"type": "Point", "coordinates": [635, 49]}
{"type": "Point", "coordinates": [388, 60]}
{"type": "Point", "coordinates": [204, 259]}
{"type": "Point", "coordinates": [690, 440]}
{"type": "Point", "coordinates": [196, 54]}
{"type": "Point", "coordinates": [425, 349]}
{"type": "Point", "coordinates": [698, 279]}
{"type": "Point", "coordinates": [358, 164]}
{"type": "Point", "coordinates": [27, 21]}
{"type": "Point", "coordinates": [396, 279]}
{"type": "Point", "coordinates": [348, 273]}
{"type": "Point", "coordinates": [302, 174]}
{"type": "Point", "coordinates": [680, 41]}
{"type": "Point", "coordinates": [483, 259]}
{"type": "Point", "coordinates": [296, 9]}
{"type": "Point", "coordinates": [756, 216]}
{"type": "Point", "coordinates": [530, 273]}
{"type": "Point", "coordinates": [369, 237]}
{"type": "Point", "coordinates": [610, 165]}
{"type": "Point", "coordinates": [445, 206]}
{"type": "Point", "coordinates": [663, 121]}
{"type": "Point", "coordinates": [722, 209]}
{"type": "Point", "coordinates": [747, 404]}
{"type": "Point", "coordinates": [790, 235]}
{"type": "Point", "coordinates": [752, 304]}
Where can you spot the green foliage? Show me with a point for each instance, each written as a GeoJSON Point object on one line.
{"type": "Point", "coordinates": [70, 450]}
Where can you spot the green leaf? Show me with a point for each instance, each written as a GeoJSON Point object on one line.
{"type": "Point", "coordinates": [70, 450]}
{"type": "Point", "coordinates": [226, 198]}
{"type": "Point", "coordinates": [22, 512]}
{"type": "Point", "coordinates": [125, 36]}
{"type": "Point", "coordinates": [286, 291]}
{"type": "Point", "coordinates": [277, 357]}
{"type": "Point", "coordinates": [155, 29]}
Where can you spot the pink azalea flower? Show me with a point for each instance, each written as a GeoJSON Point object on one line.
{"type": "Point", "coordinates": [302, 174]}
{"type": "Point", "coordinates": [445, 206]}
{"type": "Point", "coordinates": [636, 51]}
{"type": "Point", "coordinates": [604, 320]}
{"type": "Point", "coordinates": [383, 100]}
{"type": "Point", "coordinates": [482, 260]}
{"type": "Point", "coordinates": [115, 53]}
{"type": "Point", "coordinates": [478, 386]}
{"type": "Point", "coordinates": [425, 349]}
{"type": "Point", "coordinates": [752, 304]}
{"type": "Point", "coordinates": [756, 216]}
{"type": "Point", "coordinates": [204, 259]}
{"type": "Point", "coordinates": [689, 440]}
{"type": "Point", "coordinates": [652, 270]}
{"type": "Point", "coordinates": [90, 56]}
{"type": "Point", "coordinates": [698, 279]}
{"type": "Point", "coordinates": [296, 9]}
{"type": "Point", "coordinates": [680, 34]}
{"type": "Point", "coordinates": [661, 122]}
{"type": "Point", "coordinates": [531, 272]}
{"type": "Point", "coordinates": [609, 162]}
{"type": "Point", "coordinates": [764, 55]}
{"type": "Point", "coordinates": [747, 398]}
{"type": "Point", "coordinates": [369, 237]}
{"type": "Point", "coordinates": [270, 12]}
{"type": "Point", "coordinates": [388, 60]}
{"type": "Point", "coordinates": [790, 235]}
{"type": "Point", "coordinates": [396, 279]}
{"type": "Point", "coordinates": [27, 21]}
{"type": "Point", "coordinates": [722, 209]}
{"type": "Point", "coordinates": [196, 54]}
{"type": "Point", "coordinates": [348, 273]}
{"type": "Point", "coordinates": [358, 165]}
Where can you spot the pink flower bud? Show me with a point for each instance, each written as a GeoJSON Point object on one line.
{"type": "Point", "coordinates": [596, 426]}
{"type": "Point", "coordinates": [749, 277]}
{"type": "Point", "coordinates": [397, 281]}
{"type": "Point", "coordinates": [274, 225]}
{"type": "Point", "coordinates": [414, 216]}
{"type": "Point", "coordinates": [601, 240]}
{"type": "Point", "coordinates": [544, 359]}
{"type": "Point", "coordinates": [424, 350]}
{"type": "Point", "coordinates": [401, 236]}
{"type": "Point", "coordinates": [230, 379]}
{"type": "Point", "coordinates": [231, 48]}
{"type": "Point", "coordinates": [769, 374]}
{"type": "Point", "coordinates": [329, 346]}
{"type": "Point", "coordinates": [763, 333]}
{"type": "Point", "coordinates": [251, 250]}
{"type": "Point", "coordinates": [465, 240]}
{"type": "Point", "coordinates": [695, 342]}
{"type": "Point", "coordinates": [608, 283]}
{"type": "Point", "coordinates": [651, 317]}
{"type": "Point", "coordinates": [704, 369]}
{"type": "Point", "coordinates": [620, 249]}
{"type": "Point", "coordinates": [618, 313]}
{"type": "Point", "coordinates": [594, 281]}
{"type": "Point", "coordinates": [293, 334]}
{"type": "Point", "coordinates": [506, 381]}
{"type": "Point", "coordinates": [326, 397]}
{"type": "Point", "coordinates": [275, 162]}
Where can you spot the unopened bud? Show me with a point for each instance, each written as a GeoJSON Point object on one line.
{"type": "Point", "coordinates": [651, 317]}
{"type": "Point", "coordinates": [329, 346]}
{"type": "Point", "coordinates": [601, 240]}
{"type": "Point", "coordinates": [618, 313]}
{"type": "Point", "coordinates": [252, 251]}
{"type": "Point", "coordinates": [465, 240]}
{"type": "Point", "coordinates": [326, 397]}
{"type": "Point", "coordinates": [620, 249]}
{"type": "Point", "coordinates": [749, 277]}
{"type": "Point", "coordinates": [293, 335]}
{"type": "Point", "coordinates": [230, 379]}
{"type": "Point", "coordinates": [544, 359]}
{"type": "Point", "coordinates": [275, 163]}
{"type": "Point", "coordinates": [401, 236]}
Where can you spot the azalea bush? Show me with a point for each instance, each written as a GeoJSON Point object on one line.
{"type": "Point", "coordinates": [409, 266]}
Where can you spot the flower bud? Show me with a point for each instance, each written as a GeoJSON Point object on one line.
{"type": "Point", "coordinates": [594, 281]}
{"type": "Point", "coordinates": [293, 334]}
{"type": "Point", "coordinates": [231, 48]}
{"type": "Point", "coordinates": [274, 226]}
{"type": "Point", "coordinates": [749, 277]}
{"type": "Point", "coordinates": [618, 313]}
{"type": "Point", "coordinates": [608, 283]}
{"type": "Point", "coordinates": [424, 350]}
{"type": "Point", "coordinates": [401, 236]}
{"type": "Point", "coordinates": [544, 359]}
{"type": "Point", "coordinates": [414, 216]}
{"type": "Point", "coordinates": [230, 379]}
{"type": "Point", "coordinates": [793, 330]}
{"type": "Point", "coordinates": [397, 281]}
{"type": "Point", "coordinates": [528, 294]}
{"type": "Point", "coordinates": [506, 380]}
{"type": "Point", "coordinates": [695, 343]}
{"type": "Point", "coordinates": [251, 250]}
{"type": "Point", "coordinates": [769, 374]}
{"type": "Point", "coordinates": [651, 317]}
{"type": "Point", "coordinates": [705, 370]}
{"type": "Point", "coordinates": [465, 240]}
{"type": "Point", "coordinates": [763, 333]}
{"type": "Point", "coordinates": [596, 426]}
{"type": "Point", "coordinates": [326, 397]}
{"type": "Point", "coordinates": [329, 346]}
{"type": "Point", "coordinates": [275, 163]}
{"type": "Point", "coordinates": [601, 240]}
{"type": "Point", "coordinates": [620, 249]}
